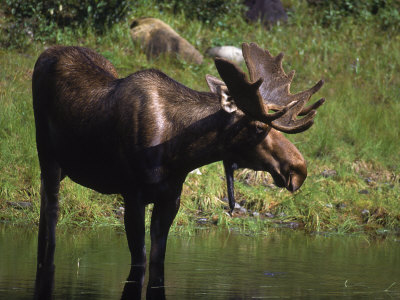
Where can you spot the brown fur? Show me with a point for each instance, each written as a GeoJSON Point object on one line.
{"type": "Point", "coordinates": [138, 136]}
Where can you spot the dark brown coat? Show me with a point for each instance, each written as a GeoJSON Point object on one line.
{"type": "Point", "coordinates": [140, 136]}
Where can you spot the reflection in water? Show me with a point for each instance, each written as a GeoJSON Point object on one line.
{"type": "Point", "coordinates": [134, 283]}
{"type": "Point", "coordinates": [209, 265]}
{"type": "Point", "coordinates": [44, 283]}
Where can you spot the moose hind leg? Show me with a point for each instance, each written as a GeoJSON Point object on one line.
{"type": "Point", "coordinates": [50, 185]}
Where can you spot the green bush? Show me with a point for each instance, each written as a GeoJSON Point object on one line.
{"type": "Point", "coordinates": [383, 12]}
{"type": "Point", "coordinates": [38, 19]}
{"type": "Point", "coordinates": [207, 11]}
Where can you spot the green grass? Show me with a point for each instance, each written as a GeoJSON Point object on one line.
{"type": "Point", "coordinates": [356, 132]}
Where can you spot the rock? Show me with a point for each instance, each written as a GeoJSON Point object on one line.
{"type": "Point", "coordinates": [256, 214]}
{"type": "Point", "coordinates": [270, 186]}
{"type": "Point", "coordinates": [269, 215]}
{"type": "Point", "coordinates": [156, 37]}
{"type": "Point", "coordinates": [20, 205]}
{"type": "Point", "coordinates": [196, 172]}
{"type": "Point", "coordinates": [119, 212]}
{"type": "Point", "coordinates": [329, 173]}
{"type": "Point", "coordinates": [369, 181]}
{"type": "Point", "coordinates": [341, 205]}
{"type": "Point", "coordinates": [273, 274]}
{"type": "Point", "coordinates": [227, 214]}
{"type": "Point", "coordinates": [202, 220]}
{"type": "Point", "coordinates": [228, 52]}
{"type": "Point", "coordinates": [329, 205]}
{"type": "Point", "coordinates": [365, 212]}
{"type": "Point", "coordinates": [242, 210]}
{"type": "Point", "coordinates": [269, 12]}
{"type": "Point", "coordinates": [292, 225]}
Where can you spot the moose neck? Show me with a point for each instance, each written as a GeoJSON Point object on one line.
{"type": "Point", "coordinates": [211, 135]}
{"type": "Point", "coordinates": [185, 129]}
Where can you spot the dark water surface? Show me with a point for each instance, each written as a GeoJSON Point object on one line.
{"type": "Point", "coordinates": [209, 265]}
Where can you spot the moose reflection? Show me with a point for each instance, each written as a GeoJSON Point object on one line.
{"type": "Point", "coordinates": [141, 135]}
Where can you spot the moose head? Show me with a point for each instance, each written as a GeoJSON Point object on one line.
{"type": "Point", "coordinates": [268, 89]}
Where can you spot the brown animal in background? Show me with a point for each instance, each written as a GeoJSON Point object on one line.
{"type": "Point", "coordinates": [141, 135]}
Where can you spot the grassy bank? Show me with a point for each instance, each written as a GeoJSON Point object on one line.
{"type": "Point", "coordinates": [355, 136]}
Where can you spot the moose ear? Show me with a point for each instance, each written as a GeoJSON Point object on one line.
{"type": "Point", "coordinates": [214, 83]}
{"type": "Point", "coordinates": [227, 102]}
{"type": "Point", "coordinates": [219, 87]}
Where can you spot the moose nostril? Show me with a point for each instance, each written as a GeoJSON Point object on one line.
{"type": "Point", "coordinates": [295, 181]}
{"type": "Point", "coordinates": [290, 186]}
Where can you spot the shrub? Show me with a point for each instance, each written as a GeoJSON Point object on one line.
{"type": "Point", "coordinates": [207, 11]}
{"type": "Point", "coordinates": [383, 12]}
{"type": "Point", "coordinates": [38, 19]}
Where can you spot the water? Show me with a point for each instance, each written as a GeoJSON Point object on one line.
{"type": "Point", "coordinates": [209, 265]}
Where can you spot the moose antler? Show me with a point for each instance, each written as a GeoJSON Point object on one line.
{"type": "Point", "coordinates": [275, 89]}
{"type": "Point", "coordinates": [245, 93]}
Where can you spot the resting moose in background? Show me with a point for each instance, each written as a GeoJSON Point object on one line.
{"type": "Point", "coordinates": [141, 135]}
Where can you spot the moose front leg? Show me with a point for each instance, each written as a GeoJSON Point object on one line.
{"type": "Point", "coordinates": [163, 215]}
{"type": "Point", "coordinates": [134, 219]}
{"type": "Point", "coordinates": [50, 185]}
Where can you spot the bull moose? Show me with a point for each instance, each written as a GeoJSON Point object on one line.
{"type": "Point", "coordinates": [141, 135]}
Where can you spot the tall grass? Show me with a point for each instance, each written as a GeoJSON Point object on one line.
{"type": "Point", "coordinates": [356, 132]}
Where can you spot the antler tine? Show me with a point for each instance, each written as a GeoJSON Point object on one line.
{"type": "Point", "coordinates": [275, 89]}
{"type": "Point", "coordinates": [314, 106]}
{"type": "Point", "coordinates": [245, 93]}
{"type": "Point", "coordinates": [288, 122]}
